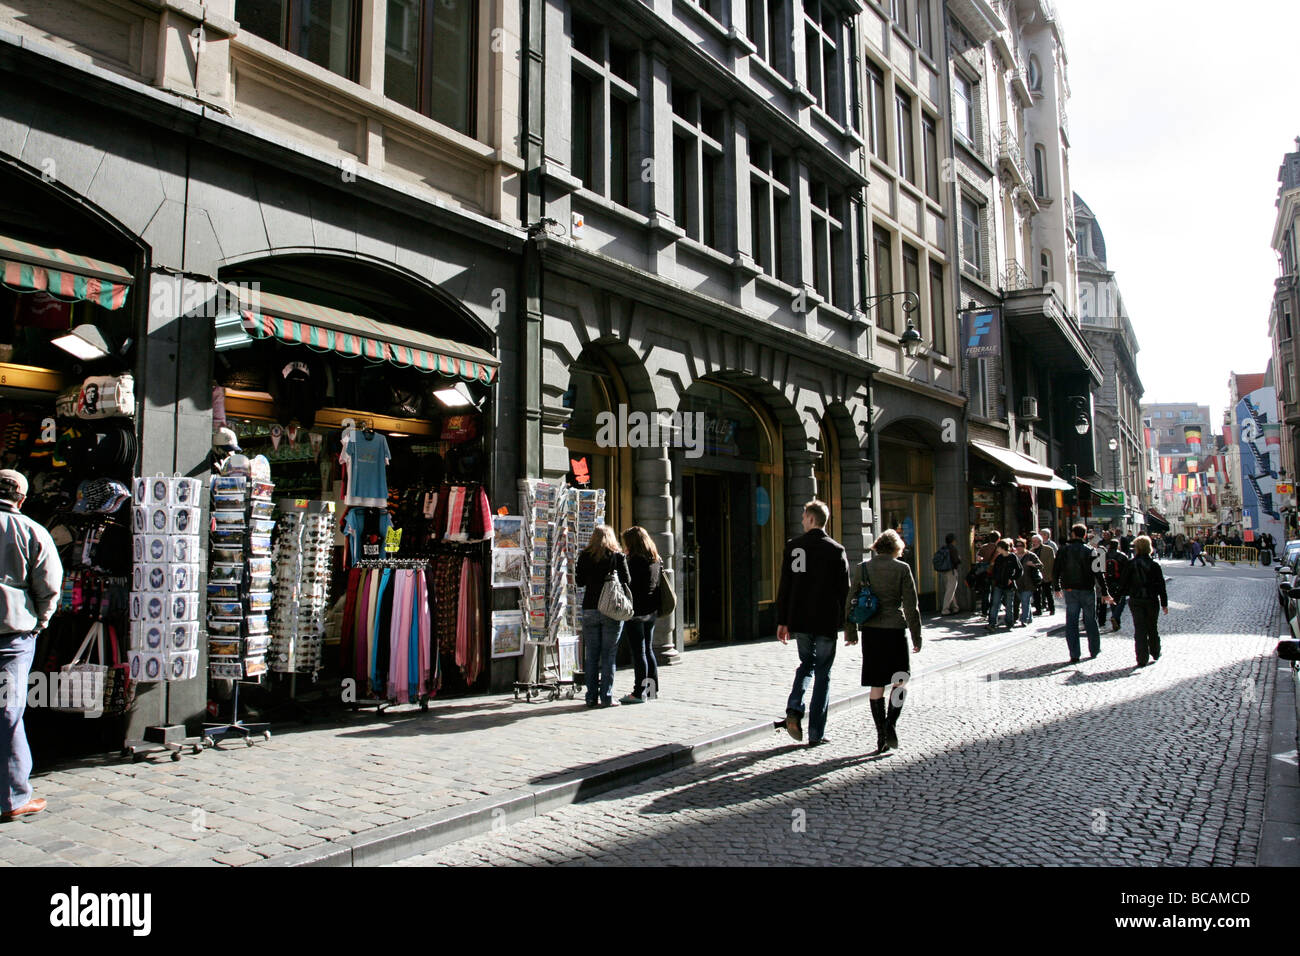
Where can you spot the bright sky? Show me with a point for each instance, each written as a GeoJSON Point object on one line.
{"type": "Point", "coordinates": [1179, 117]}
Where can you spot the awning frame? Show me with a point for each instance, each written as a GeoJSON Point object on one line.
{"type": "Point", "coordinates": [27, 267]}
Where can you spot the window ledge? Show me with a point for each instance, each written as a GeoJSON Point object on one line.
{"type": "Point", "coordinates": [556, 175]}
{"type": "Point", "coordinates": [746, 266]}
{"type": "Point", "coordinates": [804, 95]}
{"type": "Point", "coordinates": [702, 16]}
{"type": "Point", "coordinates": [585, 195]}
{"type": "Point", "coordinates": [708, 252]}
{"type": "Point", "coordinates": [776, 284]}
{"type": "Point", "coordinates": [771, 73]}
{"type": "Point", "coordinates": [741, 42]}
{"type": "Point", "coordinates": [666, 226]}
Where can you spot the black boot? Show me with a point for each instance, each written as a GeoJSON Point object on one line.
{"type": "Point", "coordinates": [882, 725]}
{"type": "Point", "coordinates": [891, 722]}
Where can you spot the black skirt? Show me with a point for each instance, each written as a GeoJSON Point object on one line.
{"type": "Point", "coordinates": [884, 655]}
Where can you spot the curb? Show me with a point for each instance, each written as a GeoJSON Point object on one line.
{"type": "Point", "coordinates": [1279, 838]}
{"type": "Point", "coordinates": [397, 841]}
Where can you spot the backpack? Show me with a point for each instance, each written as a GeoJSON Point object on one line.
{"type": "Point", "coordinates": [943, 559]}
{"type": "Point", "coordinates": [1112, 569]}
{"type": "Point", "coordinates": [865, 603]}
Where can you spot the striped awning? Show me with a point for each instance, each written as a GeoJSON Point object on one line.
{"type": "Point", "coordinates": [31, 268]}
{"type": "Point", "coordinates": [319, 327]}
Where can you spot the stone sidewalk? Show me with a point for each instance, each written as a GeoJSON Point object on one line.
{"type": "Point", "coordinates": [319, 788]}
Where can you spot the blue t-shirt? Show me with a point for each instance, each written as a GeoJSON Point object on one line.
{"type": "Point", "coordinates": [367, 461]}
{"type": "Point", "coordinates": [364, 528]}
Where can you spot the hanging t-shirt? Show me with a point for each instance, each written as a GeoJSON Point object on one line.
{"type": "Point", "coordinates": [367, 470]}
{"type": "Point", "coordinates": [366, 530]}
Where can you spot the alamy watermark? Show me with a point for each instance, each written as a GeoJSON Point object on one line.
{"type": "Point", "coordinates": [628, 429]}
{"type": "Point", "coordinates": [81, 691]}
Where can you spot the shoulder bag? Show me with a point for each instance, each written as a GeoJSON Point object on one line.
{"type": "Point", "coordinates": [865, 603]}
{"type": "Point", "coordinates": [667, 597]}
{"type": "Point", "coordinates": [615, 597]}
{"type": "Point", "coordinates": [81, 683]}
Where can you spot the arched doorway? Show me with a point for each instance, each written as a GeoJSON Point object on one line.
{"type": "Point", "coordinates": [596, 391]}
{"type": "Point", "coordinates": [906, 469]}
{"type": "Point", "coordinates": [733, 504]}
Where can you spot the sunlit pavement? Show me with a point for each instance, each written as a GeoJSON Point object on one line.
{"type": "Point", "coordinates": [1021, 759]}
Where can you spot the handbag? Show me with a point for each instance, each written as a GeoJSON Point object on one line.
{"type": "Point", "coordinates": [81, 683]}
{"type": "Point", "coordinates": [119, 689]}
{"type": "Point", "coordinates": [865, 603]}
{"type": "Point", "coordinates": [615, 598]}
{"type": "Point", "coordinates": [667, 597]}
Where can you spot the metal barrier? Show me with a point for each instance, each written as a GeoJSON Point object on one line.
{"type": "Point", "coordinates": [1231, 555]}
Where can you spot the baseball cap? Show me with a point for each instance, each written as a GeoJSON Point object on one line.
{"type": "Point", "coordinates": [225, 438]}
{"type": "Point", "coordinates": [13, 481]}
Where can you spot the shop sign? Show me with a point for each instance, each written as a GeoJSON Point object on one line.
{"type": "Point", "coordinates": [982, 333]}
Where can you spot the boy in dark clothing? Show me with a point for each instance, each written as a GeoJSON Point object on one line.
{"type": "Point", "coordinates": [1143, 584]}
{"type": "Point", "coordinates": [1116, 562]}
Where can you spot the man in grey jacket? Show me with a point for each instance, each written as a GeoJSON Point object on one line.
{"type": "Point", "coordinates": [30, 579]}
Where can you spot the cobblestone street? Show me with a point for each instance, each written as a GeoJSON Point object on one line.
{"type": "Point", "coordinates": [1020, 759]}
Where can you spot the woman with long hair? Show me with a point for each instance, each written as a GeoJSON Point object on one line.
{"type": "Point", "coordinates": [645, 567]}
{"type": "Point", "coordinates": [600, 634]}
{"type": "Point", "coordinates": [885, 660]}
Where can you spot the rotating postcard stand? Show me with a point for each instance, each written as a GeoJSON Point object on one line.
{"type": "Point", "coordinates": [239, 590]}
{"type": "Point", "coordinates": [165, 600]}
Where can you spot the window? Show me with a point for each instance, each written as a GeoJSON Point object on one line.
{"type": "Point", "coordinates": [1290, 383]}
{"type": "Point", "coordinates": [972, 258]}
{"type": "Point", "coordinates": [876, 105]}
{"type": "Point", "coordinates": [603, 113]}
{"type": "Point", "coordinates": [1035, 74]}
{"type": "Point", "coordinates": [1286, 320]}
{"type": "Point", "coordinates": [766, 29]}
{"type": "Point", "coordinates": [713, 8]}
{"type": "Point", "coordinates": [1040, 171]}
{"type": "Point", "coordinates": [821, 50]}
{"type": "Point", "coordinates": [924, 35]}
{"type": "Point", "coordinates": [830, 255]}
{"type": "Point", "coordinates": [429, 59]}
{"type": "Point", "coordinates": [938, 311]}
{"type": "Point", "coordinates": [326, 33]}
{"type": "Point", "coordinates": [906, 145]}
{"type": "Point", "coordinates": [1044, 268]}
{"type": "Point", "coordinates": [979, 388]}
{"type": "Point", "coordinates": [769, 210]}
{"type": "Point", "coordinates": [911, 279]}
{"type": "Point", "coordinates": [884, 279]}
{"type": "Point", "coordinates": [697, 165]}
{"type": "Point", "coordinates": [963, 108]}
{"type": "Point", "coordinates": [930, 136]}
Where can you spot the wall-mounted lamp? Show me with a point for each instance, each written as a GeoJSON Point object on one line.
{"type": "Point", "coordinates": [85, 342]}
{"type": "Point", "coordinates": [1081, 422]}
{"type": "Point", "coordinates": [911, 338]}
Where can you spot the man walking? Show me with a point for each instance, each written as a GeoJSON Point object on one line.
{"type": "Point", "coordinates": [810, 607]}
{"type": "Point", "coordinates": [947, 563]}
{"type": "Point", "coordinates": [1045, 548]}
{"type": "Point", "coordinates": [1144, 586]}
{"type": "Point", "coordinates": [30, 578]}
{"type": "Point", "coordinates": [1079, 576]}
{"type": "Point", "coordinates": [1195, 548]}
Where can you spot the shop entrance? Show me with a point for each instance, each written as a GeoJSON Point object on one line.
{"type": "Point", "coordinates": [907, 504]}
{"type": "Point", "coordinates": [706, 511]}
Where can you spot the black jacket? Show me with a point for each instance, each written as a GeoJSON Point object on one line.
{"type": "Point", "coordinates": [591, 574]}
{"type": "Point", "coordinates": [1116, 561]}
{"type": "Point", "coordinates": [645, 585]}
{"type": "Point", "coordinates": [1076, 569]}
{"type": "Point", "coordinates": [814, 584]}
{"type": "Point", "coordinates": [1006, 568]}
{"type": "Point", "coordinates": [1143, 580]}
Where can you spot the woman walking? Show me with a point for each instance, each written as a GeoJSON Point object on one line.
{"type": "Point", "coordinates": [1027, 582]}
{"type": "Point", "coordinates": [645, 567]}
{"type": "Point", "coordinates": [600, 633]}
{"type": "Point", "coordinates": [885, 661]}
{"type": "Point", "coordinates": [1143, 583]}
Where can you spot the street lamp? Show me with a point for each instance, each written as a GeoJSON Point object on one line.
{"type": "Point", "coordinates": [911, 338]}
{"type": "Point", "coordinates": [1081, 423]}
{"type": "Point", "coordinates": [1113, 445]}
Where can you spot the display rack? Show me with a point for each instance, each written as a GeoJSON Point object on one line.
{"type": "Point", "coordinates": [380, 704]}
{"type": "Point", "coordinates": [545, 594]}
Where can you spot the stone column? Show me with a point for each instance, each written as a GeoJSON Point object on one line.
{"type": "Point", "coordinates": [654, 510]}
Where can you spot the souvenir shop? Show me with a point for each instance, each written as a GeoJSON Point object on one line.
{"type": "Point", "coordinates": [68, 423]}
{"type": "Point", "coordinates": [352, 522]}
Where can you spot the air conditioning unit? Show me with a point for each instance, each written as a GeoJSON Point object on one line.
{"type": "Point", "coordinates": [1028, 409]}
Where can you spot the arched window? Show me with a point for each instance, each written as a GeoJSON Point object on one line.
{"type": "Point", "coordinates": [1040, 171]}
{"type": "Point", "coordinates": [595, 391]}
{"type": "Point", "coordinates": [1035, 74]}
{"type": "Point", "coordinates": [827, 476]}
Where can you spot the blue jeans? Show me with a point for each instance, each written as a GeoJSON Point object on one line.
{"type": "Point", "coordinates": [1084, 602]}
{"type": "Point", "coordinates": [640, 639]}
{"type": "Point", "coordinates": [816, 655]}
{"type": "Point", "coordinates": [16, 654]}
{"type": "Point", "coordinates": [1026, 607]}
{"type": "Point", "coordinates": [997, 598]}
{"type": "Point", "coordinates": [600, 646]}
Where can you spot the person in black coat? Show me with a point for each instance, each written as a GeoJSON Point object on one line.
{"type": "Point", "coordinates": [1006, 569]}
{"type": "Point", "coordinates": [1143, 583]}
{"type": "Point", "coordinates": [600, 634]}
{"type": "Point", "coordinates": [645, 567]}
{"type": "Point", "coordinates": [810, 607]}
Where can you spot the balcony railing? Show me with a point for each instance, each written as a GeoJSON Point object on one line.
{"type": "Point", "coordinates": [1009, 156]}
{"type": "Point", "coordinates": [1016, 278]}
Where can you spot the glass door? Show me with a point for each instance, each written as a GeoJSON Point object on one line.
{"type": "Point", "coordinates": [705, 578]}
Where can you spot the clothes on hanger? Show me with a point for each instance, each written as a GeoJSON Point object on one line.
{"type": "Point", "coordinates": [366, 457]}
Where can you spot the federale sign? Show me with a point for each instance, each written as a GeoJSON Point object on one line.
{"type": "Point", "coordinates": [982, 333]}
